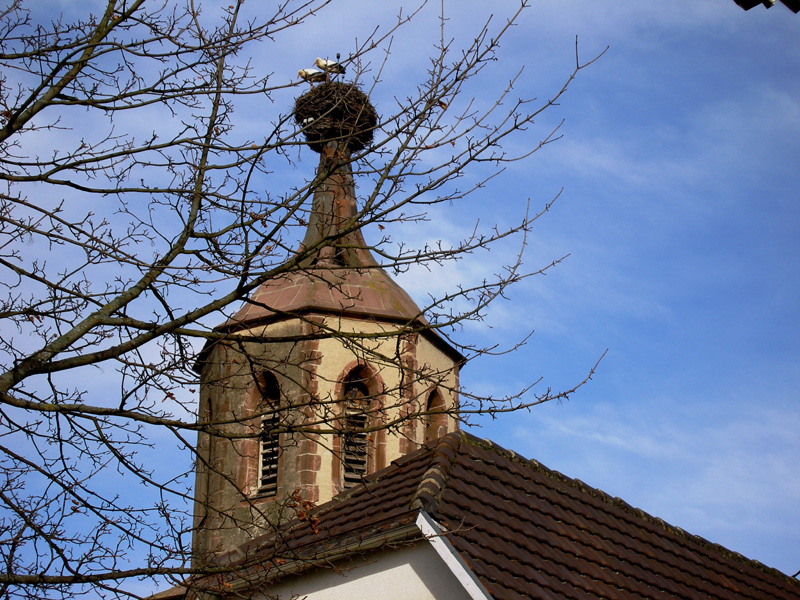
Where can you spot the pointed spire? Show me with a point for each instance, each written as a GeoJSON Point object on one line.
{"type": "Point", "coordinates": [340, 276]}
{"type": "Point", "coordinates": [332, 224]}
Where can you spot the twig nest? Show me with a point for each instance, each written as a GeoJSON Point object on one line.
{"type": "Point", "coordinates": [336, 111]}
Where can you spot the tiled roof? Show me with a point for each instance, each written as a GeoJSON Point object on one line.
{"type": "Point", "coordinates": [525, 531]}
{"type": "Point", "coordinates": [366, 291]}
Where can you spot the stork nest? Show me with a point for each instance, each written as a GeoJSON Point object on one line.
{"type": "Point", "coordinates": [336, 111]}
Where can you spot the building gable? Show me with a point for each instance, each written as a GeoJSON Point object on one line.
{"type": "Point", "coordinates": [411, 572]}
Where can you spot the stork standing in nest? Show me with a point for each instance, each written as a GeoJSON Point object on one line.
{"type": "Point", "coordinates": [330, 66]}
{"type": "Point", "coordinates": [312, 76]}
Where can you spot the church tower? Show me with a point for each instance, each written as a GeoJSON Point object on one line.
{"type": "Point", "coordinates": [328, 372]}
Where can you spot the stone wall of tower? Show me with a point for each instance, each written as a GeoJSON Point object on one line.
{"type": "Point", "coordinates": [438, 371]}
{"type": "Point", "coordinates": [228, 508]}
{"type": "Point", "coordinates": [310, 374]}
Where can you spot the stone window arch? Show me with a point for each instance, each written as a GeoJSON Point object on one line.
{"type": "Point", "coordinates": [360, 390]}
{"type": "Point", "coordinates": [435, 416]}
{"type": "Point", "coordinates": [270, 440]}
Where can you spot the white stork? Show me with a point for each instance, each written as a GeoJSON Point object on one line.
{"type": "Point", "coordinates": [312, 76]}
{"type": "Point", "coordinates": [329, 66]}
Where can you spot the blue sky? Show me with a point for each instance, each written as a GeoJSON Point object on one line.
{"type": "Point", "coordinates": [680, 215]}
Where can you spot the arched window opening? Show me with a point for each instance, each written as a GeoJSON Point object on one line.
{"type": "Point", "coordinates": [270, 438]}
{"type": "Point", "coordinates": [436, 417]}
{"type": "Point", "coordinates": [355, 440]}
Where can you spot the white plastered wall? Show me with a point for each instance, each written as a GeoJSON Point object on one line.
{"type": "Point", "coordinates": [410, 573]}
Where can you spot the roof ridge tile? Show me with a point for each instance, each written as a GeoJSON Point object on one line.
{"type": "Point", "coordinates": [433, 482]}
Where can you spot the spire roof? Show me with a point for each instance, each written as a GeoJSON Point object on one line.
{"type": "Point", "coordinates": [339, 276]}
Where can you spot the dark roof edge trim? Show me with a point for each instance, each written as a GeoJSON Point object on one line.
{"type": "Point", "coordinates": [425, 330]}
{"type": "Point", "coordinates": [419, 322]}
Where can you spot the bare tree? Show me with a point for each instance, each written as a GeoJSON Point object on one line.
{"type": "Point", "coordinates": [137, 212]}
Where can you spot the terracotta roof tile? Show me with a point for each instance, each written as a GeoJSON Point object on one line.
{"type": "Point", "coordinates": [364, 291]}
{"type": "Point", "coordinates": [527, 531]}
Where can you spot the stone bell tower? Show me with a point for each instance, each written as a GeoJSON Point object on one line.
{"type": "Point", "coordinates": [328, 372]}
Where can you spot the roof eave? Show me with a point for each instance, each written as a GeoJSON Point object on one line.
{"type": "Point", "coordinates": [406, 530]}
{"type": "Point", "coordinates": [417, 324]}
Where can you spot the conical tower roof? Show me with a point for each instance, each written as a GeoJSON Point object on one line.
{"type": "Point", "coordinates": [340, 276]}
